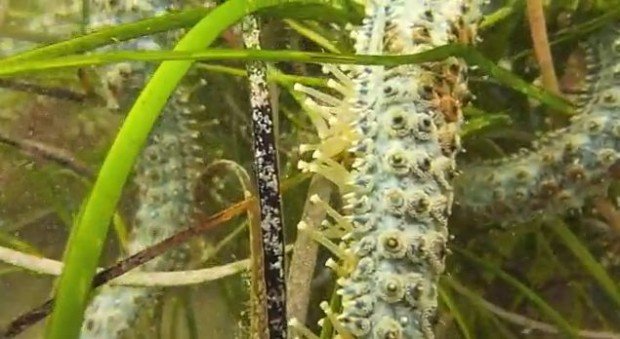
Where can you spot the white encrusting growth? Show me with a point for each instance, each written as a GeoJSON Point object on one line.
{"type": "Point", "coordinates": [268, 182]}
{"type": "Point", "coordinates": [400, 125]}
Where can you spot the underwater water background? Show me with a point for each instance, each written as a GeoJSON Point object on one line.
{"type": "Point", "coordinates": [533, 268]}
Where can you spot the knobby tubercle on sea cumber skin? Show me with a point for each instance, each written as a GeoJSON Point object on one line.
{"type": "Point", "coordinates": [401, 126]}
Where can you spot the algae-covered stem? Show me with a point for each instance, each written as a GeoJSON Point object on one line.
{"type": "Point", "coordinates": [266, 169]}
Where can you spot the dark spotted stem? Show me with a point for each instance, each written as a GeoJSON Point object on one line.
{"type": "Point", "coordinates": [266, 171]}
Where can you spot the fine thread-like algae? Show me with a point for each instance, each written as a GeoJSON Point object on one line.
{"type": "Point", "coordinates": [565, 168]}
{"type": "Point", "coordinates": [165, 177]}
{"type": "Point", "coordinates": [401, 126]}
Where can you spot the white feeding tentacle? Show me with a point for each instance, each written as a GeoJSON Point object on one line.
{"type": "Point", "coordinates": [405, 121]}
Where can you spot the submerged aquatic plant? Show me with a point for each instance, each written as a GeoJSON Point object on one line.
{"type": "Point", "coordinates": [166, 176]}
{"type": "Point", "coordinates": [388, 140]}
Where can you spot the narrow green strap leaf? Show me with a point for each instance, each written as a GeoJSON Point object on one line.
{"type": "Point", "coordinates": [595, 269]}
{"type": "Point", "coordinates": [334, 11]}
{"type": "Point", "coordinates": [89, 234]}
{"type": "Point", "coordinates": [447, 299]}
{"type": "Point", "coordinates": [111, 35]}
{"type": "Point", "coordinates": [468, 53]}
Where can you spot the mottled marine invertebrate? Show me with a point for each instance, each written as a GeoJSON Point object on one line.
{"type": "Point", "coordinates": [117, 78]}
{"type": "Point", "coordinates": [401, 126]}
{"type": "Point", "coordinates": [565, 168]}
{"type": "Point", "coordinates": [165, 176]}
{"type": "Point", "coordinates": [165, 179]}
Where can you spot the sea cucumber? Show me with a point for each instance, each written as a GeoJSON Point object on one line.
{"type": "Point", "coordinates": [565, 168]}
{"type": "Point", "coordinates": [401, 126]}
{"type": "Point", "coordinates": [165, 177]}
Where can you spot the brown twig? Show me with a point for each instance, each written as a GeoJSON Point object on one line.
{"type": "Point", "coordinates": [540, 40]}
{"type": "Point", "coordinates": [54, 92]}
{"type": "Point", "coordinates": [57, 155]}
{"type": "Point", "coordinates": [33, 316]}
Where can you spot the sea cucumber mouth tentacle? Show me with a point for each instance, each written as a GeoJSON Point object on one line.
{"type": "Point", "coordinates": [400, 125]}
{"type": "Point", "coordinates": [565, 168]}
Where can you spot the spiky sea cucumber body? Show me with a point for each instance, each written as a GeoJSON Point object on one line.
{"type": "Point", "coordinates": [165, 177]}
{"type": "Point", "coordinates": [398, 194]}
{"type": "Point", "coordinates": [565, 168]}
{"type": "Point", "coordinates": [119, 77]}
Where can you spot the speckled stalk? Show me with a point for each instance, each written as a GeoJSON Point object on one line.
{"type": "Point", "coordinates": [165, 176]}
{"type": "Point", "coordinates": [400, 125]}
{"type": "Point", "coordinates": [268, 182]}
{"type": "Point", "coordinates": [565, 168]}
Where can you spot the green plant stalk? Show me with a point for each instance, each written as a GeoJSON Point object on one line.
{"type": "Point", "coordinates": [469, 54]}
{"type": "Point", "coordinates": [447, 299]}
{"type": "Point", "coordinates": [11, 241]}
{"type": "Point", "coordinates": [585, 258]}
{"type": "Point", "coordinates": [107, 36]}
{"type": "Point", "coordinates": [312, 35]}
{"type": "Point", "coordinates": [190, 315]}
{"type": "Point", "coordinates": [563, 325]}
{"type": "Point", "coordinates": [498, 16]}
{"type": "Point", "coordinates": [286, 80]}
{"type": "Point", "coordinates": [578, 288]}
{"type": "Point", "coordinates": [183, 19]}
{"type": "Point", "coordinates": [89, 233]}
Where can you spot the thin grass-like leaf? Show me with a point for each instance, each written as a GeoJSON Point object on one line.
{"type": "Point", "coordinates": [330, 11]}
{"type": "Point", "coordinates": [447, 299]}
{"type": "Point", "coordinates": [312, 35]}
{"type": "Point", "coordinates": [11, 241]}
{"type": "Point", "coordinates": [582, 254]}
{"type": "Point", "coordinates": [89, 233]}
{"type": "Point", "coordinates": [472, 56]}
{"type": "Point", "coordinates": [562, 324]}
{"type": "Point", "coordinates": [112, 35]}
{"type": "Point", "coordinates": [286, 80]}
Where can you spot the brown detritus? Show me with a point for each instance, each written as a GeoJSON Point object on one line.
{"type": "Point", "coordinates": [609, 212]}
